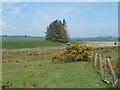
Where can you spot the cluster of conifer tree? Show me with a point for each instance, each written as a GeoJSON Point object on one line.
{"type": "Point", "coordinates": [57, 31]}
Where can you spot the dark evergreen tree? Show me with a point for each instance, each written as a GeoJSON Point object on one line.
{"type": "Point", "coordinates": [57, 31]}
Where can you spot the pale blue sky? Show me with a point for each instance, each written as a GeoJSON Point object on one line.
{"type": "Point", "coordinates": [84, 19]}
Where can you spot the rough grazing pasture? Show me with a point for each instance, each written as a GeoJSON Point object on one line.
{"type": "Point", "coordinates": [32, 68]}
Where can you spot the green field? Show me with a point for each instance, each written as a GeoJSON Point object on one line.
{"type": "Point", "coordinates": [28, 44]}
{"type": "Point", "coordinates": [17, 42]}
{"type": "Point", "coordinates": [108, 51]}
{"type": "Point", "coordinates": [21, 38]}
{"type": "Point", "coordinates": [38, 71]}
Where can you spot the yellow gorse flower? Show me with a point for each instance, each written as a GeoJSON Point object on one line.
{"type": "Point", "coordinates": [68, 43]}
{"type": "Point", "coordinates": [74, 52]}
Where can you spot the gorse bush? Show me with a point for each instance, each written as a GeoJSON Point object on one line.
{"type": "Point", "coordinates": [73, 53]}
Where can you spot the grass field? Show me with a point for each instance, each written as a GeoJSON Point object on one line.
{"type": "Point", "coordinates": [22, 38]}
{"type": "Point", "coordinates": [27, 64]}
{"type": "Point", "coordinates": [25, 70]}
{"type": "Point", "coordinates": [28, 44]}
{"type": "Point", "coordinates": [113, 53]}
{"type": "Point", "coordinates": [108, 51]}
{"type": "Point", "coordinates": [96, 39]}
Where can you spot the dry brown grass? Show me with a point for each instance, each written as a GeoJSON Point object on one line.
{"type": "Point", "coordinates": [99, 44]}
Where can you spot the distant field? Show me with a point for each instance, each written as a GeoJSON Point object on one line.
{"type": "Point", "coordinates": [32, 38]}
{"type": "Point", "coordinates": [96, 39]}
{"type": "Point", "coordinates": [28, 44]}
{"type": "Point", "coordinates": [22, 38]}
{"type": "Point", "coordinates": [98, 44]}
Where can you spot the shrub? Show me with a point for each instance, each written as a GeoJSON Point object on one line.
{"type": "Point", "coordinates": [72, 53]}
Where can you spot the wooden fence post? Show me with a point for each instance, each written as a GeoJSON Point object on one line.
{"type": "Point", "coordinates": [111, 69]}
{"type": "Point", "coordinates": [95, 60]}
{"type": "Point", "coordinates": [90, 59]}
{"type": "Point", "coordinates": [101, 67]}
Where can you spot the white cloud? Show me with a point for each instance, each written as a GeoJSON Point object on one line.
{"type": "Point", "coordinates": [11, 29]}
{"type": "Point", "coordinates": [4, 17]}
{"type": "Point", "coordinates": [2, 23]}
{"type": "Point", "coordinates": [16, 9]}
{"type": "Point", "coordinates": [5, 26]}
{"type": "Point", "coordinates": [1, 10]}
{"type": "Point", "coordinates": [66, 11]}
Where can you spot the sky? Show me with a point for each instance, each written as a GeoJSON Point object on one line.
{"type": "Point", "coordinates": [84, 19]}
{"type": "Point", "coordinates": [60, 0]}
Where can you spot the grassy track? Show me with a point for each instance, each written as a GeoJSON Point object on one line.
{"type": "Point", "coordinates": [28, 44]}
{"type": "Point", "coordinates": [40, 72]}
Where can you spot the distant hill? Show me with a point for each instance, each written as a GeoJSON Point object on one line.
{"type": "Point", "coordinates": [32, 38]}
{"type": "Point", "coordinates": [21, 38]}
{"type": "Point", "coordinates": [109, 38]}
